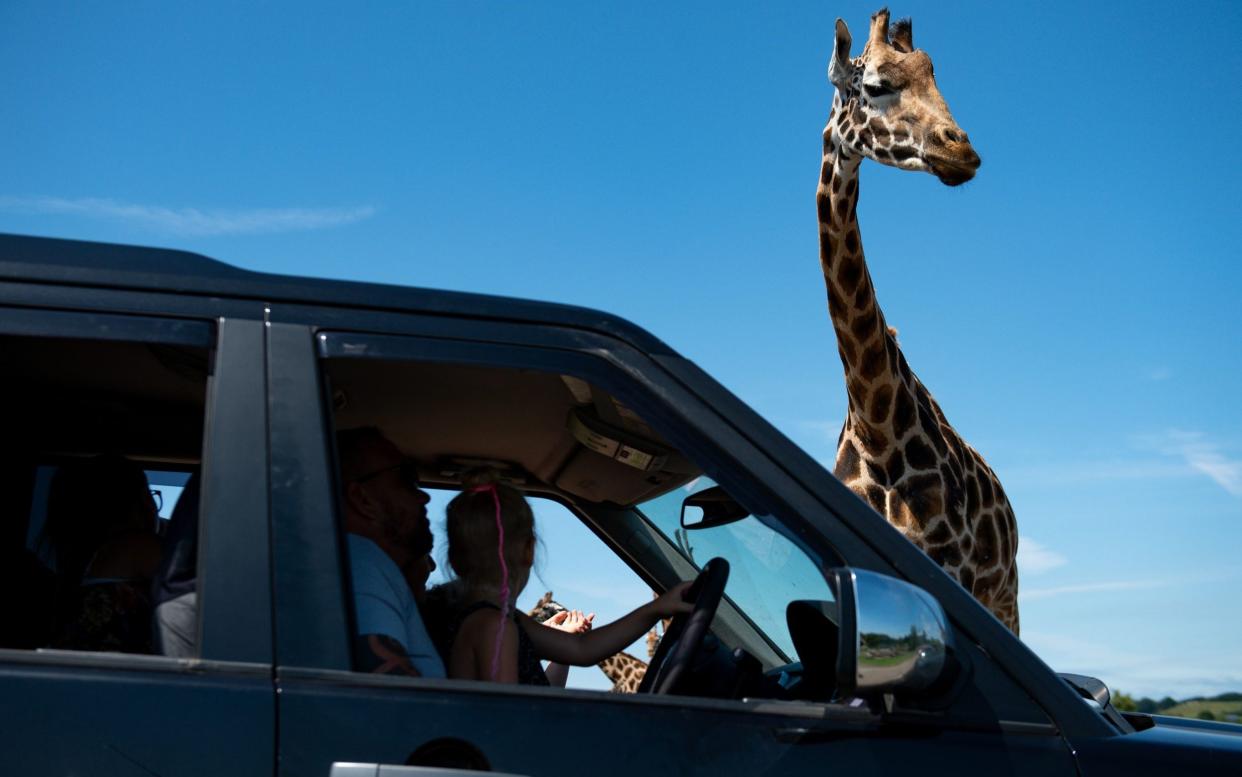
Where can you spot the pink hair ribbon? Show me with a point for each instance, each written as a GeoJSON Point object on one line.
{"type": "Point", "coordinates": [504, 577]}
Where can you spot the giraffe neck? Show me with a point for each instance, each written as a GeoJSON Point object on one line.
{"type": "Point", "coordinates": [625, 671]}
{"type": "Point", "coordinates": [876, 375]}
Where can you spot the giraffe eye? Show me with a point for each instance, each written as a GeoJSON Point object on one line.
{"type": "Point", "coordinates": [879, 90]}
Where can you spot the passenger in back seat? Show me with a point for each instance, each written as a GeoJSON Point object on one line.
{"type": "Point", "coordinates": [101, 522]}
{"type": "Point", "coordinates": [175, 590]}
{"type": "Point", "coordinates": [27, 599]}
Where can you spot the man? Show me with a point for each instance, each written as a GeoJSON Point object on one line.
{"type": "Point", "coordinates": [386, 526]}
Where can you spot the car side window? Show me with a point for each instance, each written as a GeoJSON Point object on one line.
{"type": "Point", "coordinates": [598, 477]}
{"type": "Point", "coordinates": [573, 571]}
{"type": "Point", "coordinates": [102, 439]}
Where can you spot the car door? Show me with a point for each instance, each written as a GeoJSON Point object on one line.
{"type": "Point", "coordinates": [330, 715]}
{"type": "Point", "coordinates": [89, 371]}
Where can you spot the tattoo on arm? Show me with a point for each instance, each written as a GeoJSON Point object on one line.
{"type": "Point", "coordinates": [381, 654]}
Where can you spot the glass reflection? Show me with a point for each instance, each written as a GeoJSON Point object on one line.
{"type": "Point", "coordinates": [901, 634]}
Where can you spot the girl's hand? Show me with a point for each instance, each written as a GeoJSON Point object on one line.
{"type": "Point", "coordinates": [571, 621]}
{"type": "Point", "coordinates": [671, 603]}
{"type": "Point", "coordinates": [555, 621]}
{"type": "Point", "coordinates": [577, 623]}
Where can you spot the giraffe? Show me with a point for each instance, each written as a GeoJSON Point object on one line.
{"type": "Point", "coordinates": [897, 450]}
{"type": "Point", "coordinates": [625, 671]}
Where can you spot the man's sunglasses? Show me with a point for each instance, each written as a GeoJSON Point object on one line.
{"type": "Point", "coordinates": [407, 471]}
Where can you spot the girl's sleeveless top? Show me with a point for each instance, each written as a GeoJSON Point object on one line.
{"type": "Point", "coordinates": [530, 670]}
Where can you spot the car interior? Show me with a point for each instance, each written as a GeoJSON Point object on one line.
{"type": "Point", "coordinates": [69, 400]}
{"type": "Point", "coordinates": [548, 434]}
{"type": "Point", "coordinates": [557, 436]}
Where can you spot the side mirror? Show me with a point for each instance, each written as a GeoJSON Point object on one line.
{"type": "Point", "coordinates": [1095, 691]}
{"type": "Point", "coordinates": [894, 637]}
{"type": "Point", "coordinates": [710, 507]}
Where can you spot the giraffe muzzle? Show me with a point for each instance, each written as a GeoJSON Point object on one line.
{"type": "Point", "coordinates": [954, 170]}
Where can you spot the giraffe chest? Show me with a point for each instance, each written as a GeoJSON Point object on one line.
{"type": "Point", "coordinates": [948, 504]}
{"type": "Point", "coordinates": [915, 482]}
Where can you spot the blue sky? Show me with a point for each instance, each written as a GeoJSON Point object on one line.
{"type": "Point", "coordinates": [1073, 308]}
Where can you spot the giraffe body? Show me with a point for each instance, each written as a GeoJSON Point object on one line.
{"type": "Point", "coordinates": [897, 450]}
{"type": "Point", "coordinates": [625, 671]}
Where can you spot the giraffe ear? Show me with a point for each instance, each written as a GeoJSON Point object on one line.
{"type": "Point", "coordinates": [903, 35]}
{"type": "Point", "coordinates": [879, 28]}
{"type": "Point", "coordinates": [839, 65]}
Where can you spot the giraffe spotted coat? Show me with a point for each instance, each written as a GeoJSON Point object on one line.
{"type": "Point", "coordinates": [897, 450]}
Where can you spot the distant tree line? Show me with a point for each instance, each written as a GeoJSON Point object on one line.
{"type": "Point", "coordinates": [1127, 703]}
{"type": "Point", "coordinates": [907, 642]}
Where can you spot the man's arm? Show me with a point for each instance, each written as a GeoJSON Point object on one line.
{"type": "Point", "coordinates": [381, 654]}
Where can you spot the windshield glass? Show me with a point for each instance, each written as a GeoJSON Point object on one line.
{"type": "Point", "coordinates": [766, 570]}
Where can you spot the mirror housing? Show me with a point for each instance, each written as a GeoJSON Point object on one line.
{"type": "Point", "coordinates": [1096, 692]}
{"type": "Point", "coordinates": [894, 637]}
{"type": "Point", "coordinates": [710, 507]}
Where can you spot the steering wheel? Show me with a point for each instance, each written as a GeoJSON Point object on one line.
{"type": "Point", "coordinates": [685, 634]}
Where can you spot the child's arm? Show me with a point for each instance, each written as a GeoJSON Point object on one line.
{"type": "Point", "coordinates": [570, 622]}
{"type": "Point", "coordinates": [558, 674]}
{"type": "Point", "coordinates": [596, 645]}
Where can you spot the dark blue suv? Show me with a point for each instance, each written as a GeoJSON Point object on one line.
{"type": "Point", "coordinates": [822, 642]}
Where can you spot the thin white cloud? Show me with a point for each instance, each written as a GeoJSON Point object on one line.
{"type": "Point", "coordinates": [1202, 455]}
{"type": "Point", "coordinates": [1035, 558]}
{"type": "Point", "coordinates": [1137, 673]}
{"type": "Point", "coordinates": [1158, 374]}
{"type": "Point", "coordinates": [1068, 473]}
{"type": "Point", "coordinates": [1172, 455]}
{"type": "Point", "coordinates": [191, 221]}
{"type": "Point", "coordinates": [1199, 577]}
{"type": "Point", "coordinates": [1034, 594]}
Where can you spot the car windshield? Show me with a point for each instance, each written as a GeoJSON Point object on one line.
{"type": "Point", "coordinates": [766, 570]}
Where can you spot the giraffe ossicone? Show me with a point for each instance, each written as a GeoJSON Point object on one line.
{"type": "Point", "coordinates": [897, 450]}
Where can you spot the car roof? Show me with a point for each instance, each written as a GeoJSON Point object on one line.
{"type": "Point", "coordinates": [112, 265]}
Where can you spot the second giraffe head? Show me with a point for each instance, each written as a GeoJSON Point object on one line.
{"type": "Point", "coordinates": [888, 107]}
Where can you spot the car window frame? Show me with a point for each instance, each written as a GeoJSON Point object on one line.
{"type": "Point", "coordinates": [652, 389]}
{"type": "Point", "coordinates": [61, 312]}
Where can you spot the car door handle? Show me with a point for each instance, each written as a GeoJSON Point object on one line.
{"type": "Point", "coordinates": [346, 769]}
{"type": "Point", "coordinates": [800, 735]}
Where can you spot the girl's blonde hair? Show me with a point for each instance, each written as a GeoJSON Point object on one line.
{"type": "Point", "coordinates": [473, 536]}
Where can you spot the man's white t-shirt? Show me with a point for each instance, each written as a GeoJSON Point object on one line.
{"type": "Point", "coordinates": [383, 604]}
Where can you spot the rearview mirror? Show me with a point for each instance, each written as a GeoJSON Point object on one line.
{"type": "Point", "coordinates": [894, 637]}
{"type": "Point", "coordinates": [710, 507]}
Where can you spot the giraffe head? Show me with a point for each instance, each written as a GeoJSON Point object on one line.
{"type": "Point", "coordinates": [545, 608]}
{"type": "Point", "coordinates": [888, 107]}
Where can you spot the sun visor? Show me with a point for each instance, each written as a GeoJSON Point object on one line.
{"type": "Point", "coordinates": [612, 463]}
{"type": "Point", "coordinates": [606, 440]}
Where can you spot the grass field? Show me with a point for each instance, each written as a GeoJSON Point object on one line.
{"type": "Point", "coordinates": [1220, 709]}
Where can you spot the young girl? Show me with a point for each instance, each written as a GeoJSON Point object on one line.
{"type": "Point", "coordinates": [491, 537]}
